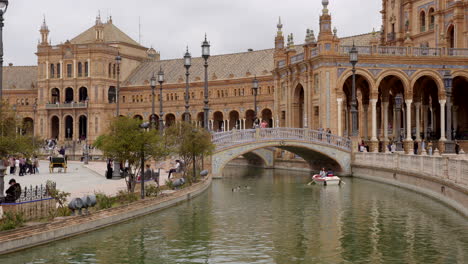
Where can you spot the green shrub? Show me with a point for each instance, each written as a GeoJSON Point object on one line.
{"type": "Point", "coordinates": [169, 185]}
{"type": "Point", "coordinates": [124, 197]}
{"type": "Point", "coordinates": [103, 201]}
{"type": "Point", "coordinates": [11, 221]}
{"type": "Point", "coordinates": [152, 190]}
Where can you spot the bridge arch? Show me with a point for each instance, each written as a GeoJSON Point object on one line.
{"type": "Point", "coordinates": [319, 150]}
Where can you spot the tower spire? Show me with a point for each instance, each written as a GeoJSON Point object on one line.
{"type": "Point", "coordinates": [44, 32]}
{"type": "Point", "coordinates": [279, 26]}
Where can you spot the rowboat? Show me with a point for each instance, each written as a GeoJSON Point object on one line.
{"type": "Point", "coordinates": [325, 181]}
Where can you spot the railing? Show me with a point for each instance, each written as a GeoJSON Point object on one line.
{"type": "Point", "coordinates": [360, 49]}
{"type": "Point", "coordinates": [396, 51]}
{"type": "Point", "coordinates": [297, 58]}
{"type": "Point", "coordinates": [426, 52]}
{"type": "Point", "coordinates": [458, 52]}
{"type": "Point", "coordinates": [36, 193]}
{"type": "Point", "coordinates": [227, 139]}
{"type": "Point", "coordinates": [450, 169]}
{"type": "Point", "coordinates": [66, 105]}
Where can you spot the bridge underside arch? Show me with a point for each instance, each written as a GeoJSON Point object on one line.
{"type": "Point", "coordinates": [315, 155]}
{"type": "Point", "coordinates": [261, 157]}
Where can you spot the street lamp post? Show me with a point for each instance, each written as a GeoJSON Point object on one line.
{"type": "Point", "coordinates": [206, 108]}
{"type": "Point", "coordinates": [398, 106]}
{"type": "Point", "coordinates": [448, 83]}
{"type": "Point", "coordinates": [353, 59]}
{"type": "Point", "coordinates": [3, 9]}
{"type": "Point", "coordinates": [255, 91]}
{"type": "Point", "coordinates": [153, 114]}
{"type": "Point", "coordinates": [161, 113]}
{"type": "Point", "coordinates": [118, 59]}
{"type": "Point", "coordinates": [187, 64]}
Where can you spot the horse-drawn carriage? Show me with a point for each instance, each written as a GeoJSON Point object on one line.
{"type": "Point", "coordinates": [58, 162]}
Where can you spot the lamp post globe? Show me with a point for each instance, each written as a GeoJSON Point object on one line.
{"type": "Point", "coordinates": [153, 114]}
{"type": "Point", "coordinates": [206, 109]}
{"type": "Point", "coordinates": [187, 64]}
{"type": "Point", "coordinates": [161, 113]}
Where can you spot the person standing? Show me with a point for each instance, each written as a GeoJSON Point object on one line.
{"type": "Point", "coordinates": [109, 169]}
{"type": "Point", "coordinates": [11, 162]}
{"type": "Point", "coordinates": [17, 166]}
{"type": "Point", "coordinates": [36, 165]}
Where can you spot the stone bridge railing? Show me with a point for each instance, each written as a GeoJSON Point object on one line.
{"type": "Point", "coordinates": [225, 140]}
{"type": "Point", "coordinates": [451, 169]}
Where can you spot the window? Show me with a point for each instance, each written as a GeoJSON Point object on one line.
{"type": "Point", "coordinates": [86, 68]}
{"type": "Point", "coordinates": [52, 71]}
{"type": "Point", "coordinates": [422, 19]}
{"type": "Point", "coordinates": [58, 70]}
{"type": "Point", "coordinates": [111, 94]}
{"type": "Point", "coordinates": [431, 19]}
{"type": "Point", "coordinates": [80, 69]}
{"type": "Point", "coordinates": [123, 99]}
{"type": "Point", "coordinates": [69, 70]}
{"type": "Point", "coordinates": [113, 71]}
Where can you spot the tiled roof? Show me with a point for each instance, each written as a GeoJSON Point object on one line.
{"type": "Point", "coordinates": [228, 66]}
{"type": "Point", "coordinates": [19, 77]}
{"type": "Point", "coordinates": [359, 40]}
{"type": "Point", "coordinates": [111, 34]}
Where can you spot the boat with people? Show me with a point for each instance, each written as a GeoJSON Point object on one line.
{"type": "Point", "coordinates": [326, 178]}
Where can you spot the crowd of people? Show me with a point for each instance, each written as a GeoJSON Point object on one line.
{"type": "Point", "coordinates": [22, 166]}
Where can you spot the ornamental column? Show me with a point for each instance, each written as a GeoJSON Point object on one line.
{"type": "Point", "coordinates": [339, 103]}
{"type": "Point", "coordinates": [374, 142]}
{"type": "Point", "coordinates": [408, 119]}
{"type": "Point", "coordinates": [442, 120]}
{"type": "Point", "coordinates": [418, 122]}
{"type": "Point", "coordinates": [366, 121]}
{"type": "Point", "coordinates": [385, 121]}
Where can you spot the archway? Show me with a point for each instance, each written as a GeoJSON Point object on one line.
{"type": "Point", "coordinates": [267, 115]}
{"type": "Point", "coordinates": [249, 119]}
{"type": "Point", "coordinates": [111, 95]}
{"type": "Point", "coordinates": [55, 127]}
{"type": "Point", "coordinates": [362, 103]}
{"type": "Point", "coordinates": [138, 117]}
{"type": "Point", "coordinates": [218, 122]}
{"type": "Point", "coordinates": [426, 91]}
{"type": "Point", "coordinates": [69, 95]}
{"type": "Point", "coordinates": [55, 96]}
{"type": "Point", "coordinates": [28, 126]}
{"type": "Point", "coordinates": [83, 94]}
{"type": "Point", "coordinates": [201, 119]}
{"type": "Point", "coordinates": [68, 127]}
{"type": "Point", "coordinates": [154, 118]}
{"type": "Point", "coordinates": [460, 107]}
{"type": "Point", "coordinates": [298, 107]}
{"type": "Point", "coordinates": [234, 120]}
{"type": "Point", "coordinates": [182, 117]}
{"type": "Point", "coordinates": [170, 120]}
{"type": "Point", "coordinates": [451, 36]}
{"type": "Point", "coordinates": [83, 127]}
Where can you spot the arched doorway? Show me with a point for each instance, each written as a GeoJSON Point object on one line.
{"type": "Point", "coordinates": [111, 95]}
{"type": "Point", "coordinates": [201, 120]}
{"type": "Point", "coordinates": [69, 95]}
{"type": "Point", "coordinates": [426, 91]}
{"type": "Point", "coordinates": [28, 126]}
{"type": "Point", "coordinates": [183, 116]}
{"type": "Point", "coordinates": [83, 94]}
{"type": "Point", "coordinates": [234, 120]}
{"type": "Point", "coordinates": [170, 120]}
{"type": "Point", "coordinates": [249, 119]}
{"type": "Point", "coordinates": [218, 122]}
{"type": "Point", "coordinates": [387, 119]}
{"type": "Point", "coordinates": [55, 96]}
{"type": "Point", "coordinates": [362, 100]}
{"type": "Point", "coordinates": [451, 36]}
{"type": "Point", "coordinates": [69, 128]}
{"type": "Point", "coordinates": [83, 127]}
{"type": "Point", "coordinates": [55, 127]}
{"type": "Point", "coordinates": [267, 115]}
{"type": "Point", "coordinates": [154, 119]}
{"type": "Point", "coordinates": [460, 108]}
{"type": "Point", "coordinates": [298, 107]}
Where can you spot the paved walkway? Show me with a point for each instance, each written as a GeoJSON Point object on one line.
{"type": "Point", "coordinates": [80, 179]}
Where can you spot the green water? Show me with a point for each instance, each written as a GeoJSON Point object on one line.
{"type": "Point", "coordinates": [277, 219]}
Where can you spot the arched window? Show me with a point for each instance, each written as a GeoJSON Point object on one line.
{"type": "Point", "coordinates": [58, 70]}
{"type": "Point", "coordinates": [431, 18]}
{"type": "Point", "coordinates": [451, 36]}
{"type": "Point", "coordinates": [80, 69]}
{"type": "Point", "coordinates": [111, 95]}
{"type": "Point", "coordinates": [52, 71]}
{"type": "Point", "coordinates": [422, 21]}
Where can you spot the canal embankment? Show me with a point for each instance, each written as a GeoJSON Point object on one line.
{"type": "Point", "coordinates": [61, 228]}
{"type": "Point", "coordinates": [440, 177]}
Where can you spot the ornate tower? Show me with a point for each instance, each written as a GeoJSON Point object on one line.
{"type": "Point", "coordinates": [99, 29]}
{"type": "Point", "coordinates": [44, 33]}
{"type": "Point", "coordinates": [327, 40]}
{"type": "Point", "coordinates": [279, 42]}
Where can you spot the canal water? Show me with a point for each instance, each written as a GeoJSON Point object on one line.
{"type": "Point", "coordinates": [274, 217]}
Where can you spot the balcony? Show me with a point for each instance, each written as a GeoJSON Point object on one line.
{"type": "Point", "coordinates": [66, 106]}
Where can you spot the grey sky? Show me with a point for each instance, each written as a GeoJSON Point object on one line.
{"type": "Point", "coordinates": [170, 25]}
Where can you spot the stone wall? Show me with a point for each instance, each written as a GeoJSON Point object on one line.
{"type": "Point", "coordinates": [443, 178]}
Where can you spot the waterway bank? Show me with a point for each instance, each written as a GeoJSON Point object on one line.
{"type": "Point", "coordinates": [27, 237]}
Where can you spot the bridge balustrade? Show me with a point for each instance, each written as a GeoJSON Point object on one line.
{"type": "Point", "coordinates": [226, 139]}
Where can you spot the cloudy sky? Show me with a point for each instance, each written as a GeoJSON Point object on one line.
{"type": "Point", "coordinates": [170, 25]}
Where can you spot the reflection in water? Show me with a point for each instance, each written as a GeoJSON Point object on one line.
{"type": "Point", "coordinates": [276, 219]}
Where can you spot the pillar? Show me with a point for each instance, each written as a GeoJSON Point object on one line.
{"type": "Point", "coordinates": [374, 119]}
{"type": "Point", "coordinates": [385, 121]}
{"type": "Point", "coordinates": [89, 68]}
{"type": "Point", "coordinates": [61, 69]}
{"type": "Point", "coordinates": [408, 119]}
{"type": "Point", "coordinates": [418, 122]}
{"type": "Point", "coordinates": [74, 68]}
{"type": "Point", "coordinates": [366, 121]}
{"type": "Point", "coordinates": [425, 109]}
{"type": "Point", "coordinates": [442, 120]}
{"type": "Point", "coordinates": [47, 69]}
{"type": "Point", "coordinates": [339, 104]}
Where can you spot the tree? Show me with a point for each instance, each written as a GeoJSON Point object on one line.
{"type": "Point", "coordinates": [191, 144]}
{"type": "Point", "coordinates": [126, 141]}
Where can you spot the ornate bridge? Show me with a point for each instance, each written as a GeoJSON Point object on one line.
{"type": "Point", "coordinates": [318, 148]}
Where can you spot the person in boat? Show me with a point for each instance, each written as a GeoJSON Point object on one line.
{"type": "Point", "coordinates": [323, 173]}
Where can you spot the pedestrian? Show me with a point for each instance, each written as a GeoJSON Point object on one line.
{"type": "Point", "coordinates": [457, 147]}
{"type": "Point", "coordinates": [328, 135]}
{"type": "Point", "coordinates": [17, 166]}
{"type": "Point", "coordinates": [429, 148]}
{"type": "Point", "coordinates": [11, 161]}
{"type": "Point", "coordinates": [415, 147]}
{"type": "Point", "coordinates": [175, 170]}
{"type": "Point", "coordinates": [148, 175]}
{"type": "Point", "coordinates": [36, 165]}
{"type": "Point", "coordinates": [109, 171]}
